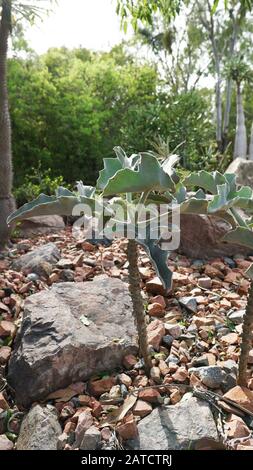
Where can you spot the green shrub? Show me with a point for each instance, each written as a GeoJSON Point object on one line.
{"type": "Point", "coordinates": [36, 183]}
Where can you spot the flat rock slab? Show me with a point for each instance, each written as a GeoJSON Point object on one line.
{"type": "Point", "coordinates": [39, 261]}
{"type": "Point", "coordinates": [40, 429]}
{"type": "Point", "coordinates": [70, 333]}
{"type": "Point", "coordinates": [177, 427]}
{"type": "Point", "coordinates": [42, 225]}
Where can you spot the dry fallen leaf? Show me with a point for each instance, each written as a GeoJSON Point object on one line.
{"type": "Point", "coordinates": [117, 415]}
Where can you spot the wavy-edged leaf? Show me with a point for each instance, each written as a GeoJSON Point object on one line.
{"type": "Point", "coordinates": [52, 205]}
{"type": "Point", "coordinates": [86, 191]}
{"type": "Point", "coordinates": [61, 191]}
{"type": "Point", "coordinates": [126, 162]}
{"type": "Point", "coordinates": [240, 236]}
{"type": "Point", "coordinates": [159, 259]}
{"type": "Point", "coordinates": [225, 199]}
{"type": "Point", "coordinates": [149, 176]}
{"type": "Point", "coordinates": [169, 163]}
{"type": "Point", "coordinates": [111, 166]}
{"type": "Point", "coordinates": [207, 181]}
{"type": "Point", "coordinates": [194, 206]}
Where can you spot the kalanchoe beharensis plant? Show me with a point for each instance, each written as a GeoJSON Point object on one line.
{"type": "Point", "coordinates": [226, 201]}
{"type": "Point", "coordinates": [136, 182]}
{"type": "Point", "coordinates": [131, 183]}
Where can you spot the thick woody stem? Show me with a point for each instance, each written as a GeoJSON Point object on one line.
{"type": "Point", "coordinates": [138, 308]}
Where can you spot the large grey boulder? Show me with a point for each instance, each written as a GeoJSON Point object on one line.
{"type": "Point", "coordinates": [179, 427]}
{"type": "Point", "coordinates": [41, 225]}
{"type": "Point", "coordinates": [211, 376]}
{"type": "Point", "coordinates": [39, 261]}
{"type": "Point", "coordinates": [243, 169]}
{"type": "Point", "coordinates": [69, 333]}
{"type": "Point", "coordinates": [40, 429]}
{"type": "Point", "coordinates": [201, 237]}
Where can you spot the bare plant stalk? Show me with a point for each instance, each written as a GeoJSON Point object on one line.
{"type": "Point", "coordinates": [138, 308]}
{"type": "Point", "coordinates": [246, 344]}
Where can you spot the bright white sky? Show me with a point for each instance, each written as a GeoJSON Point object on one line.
{"type": "Point", "coordinates": [88, 23]}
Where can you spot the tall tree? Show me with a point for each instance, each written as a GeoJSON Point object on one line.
{"type": "Point", "coordinates": [7, 203]}
{"type": "Point", "coordinates": [239, 71]}
{"type": "Point", "coordinates": [10, 9]}
{"type": "Point", "coordinates": [222, 23]}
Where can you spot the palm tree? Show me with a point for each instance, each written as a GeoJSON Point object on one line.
{"type": "Point", "coordinates": [9, 9]}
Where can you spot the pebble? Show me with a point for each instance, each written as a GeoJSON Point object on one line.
{"type": "Point", "coordinates": [142, 408]}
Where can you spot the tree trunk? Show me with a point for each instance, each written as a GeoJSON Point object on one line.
{"type": "Point", "coordinates": [227, 114]}
{"type": "Point", "coordinates": [7, 203]}
{"type": "Point", "coordinates": [246, 344]}
{"type": "Point", "coordinates": [229, 82]}
{"type": "Point", "coordinates": [240, 149]}
{"type": "Point", "coordinates": [138, 308]}
{"type": "Point", "coordinates": [251, 144]}
{"type": "Point", "coordinates": [218, 108]}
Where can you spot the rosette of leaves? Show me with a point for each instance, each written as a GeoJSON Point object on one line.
{"type": "Point", "coordinates": [127, 181]}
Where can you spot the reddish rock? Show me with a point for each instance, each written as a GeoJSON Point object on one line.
{"type": "Point", "coordinates": [5, 352]}
{"type": "Point", "coordinates": [205, 282]}
{"type": "Point", "coordinates": [140, 381]}
{"type": "Point", "coordinates": [173, 329]}
{"type": "Point", "coordinates": [97, 387]}
{"type": "Point", "coordinates": [158, 299]}
{"type": "Point", "coordinates": [155, 331]}
{"type": "Point", "coordinates": [54, 277]}
{"type": "Point", "coordinates": [250, 384]}
{"type": "Point", "coordinates": [106, 434]}
{"type": "Point", "coordinates": [211, 272]}
{"type": "Point", "coordinates": [203, 321]}
{"type": "Point", "coordinates": [128, 429]}
{"type": "Point", "coordinates": [250, 359]}
{"type": "Point", "coordinates": [244, 447]}
{"type": "Point", "coordinates": [85, 421]}
{"type": "Point", "coordinates": [3, 403]}
{"type": "Point", "coordinates": [96, 407]}
{"type": "Point", "coordinates": [86, 246]}
{"type": "Point", "coordinates": [237, 428]}
{"type": "Point", "coordinates": [233, 277]}
{"type": "Point", "coordinates": [78, 261]}
{"type": "Point", "coordinates": [142, 408]}
{"type": "Point", "coordinates": [224, 303]}
{"type": "Point", "coordinates": [181, 375]}
{"type": "Point", "coordinates": [155, 286]}
{"type": "Point", "coordinates": [69, 427]}
{"type": "Point", "coordinates": [84, 400]}
{"type": "Point", "coordinates": [164, 368]}
{"type": "Point", "coordinates": [150, 395]}
{"type": "Point", "coordinates": [175, 397]}
{"type": "Point", "coordinates": [7, 328]}
{"type": "Point", "coordinates": [242, 396]}
{"type": "Point", "coordinates": [230, 338]}
{"type": "Point", "coordinates": [243, 264]}
{"type": "Point", "coordinates": [156, 310]}
{"type": "Point", "coordinates": [5, 443]}
{"type": "Point", "coordinates": [180, 279]}
{"type": "Point", "coordinates": [129, 361]}
{"type": "Point", "coordinates": [125, 380]}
